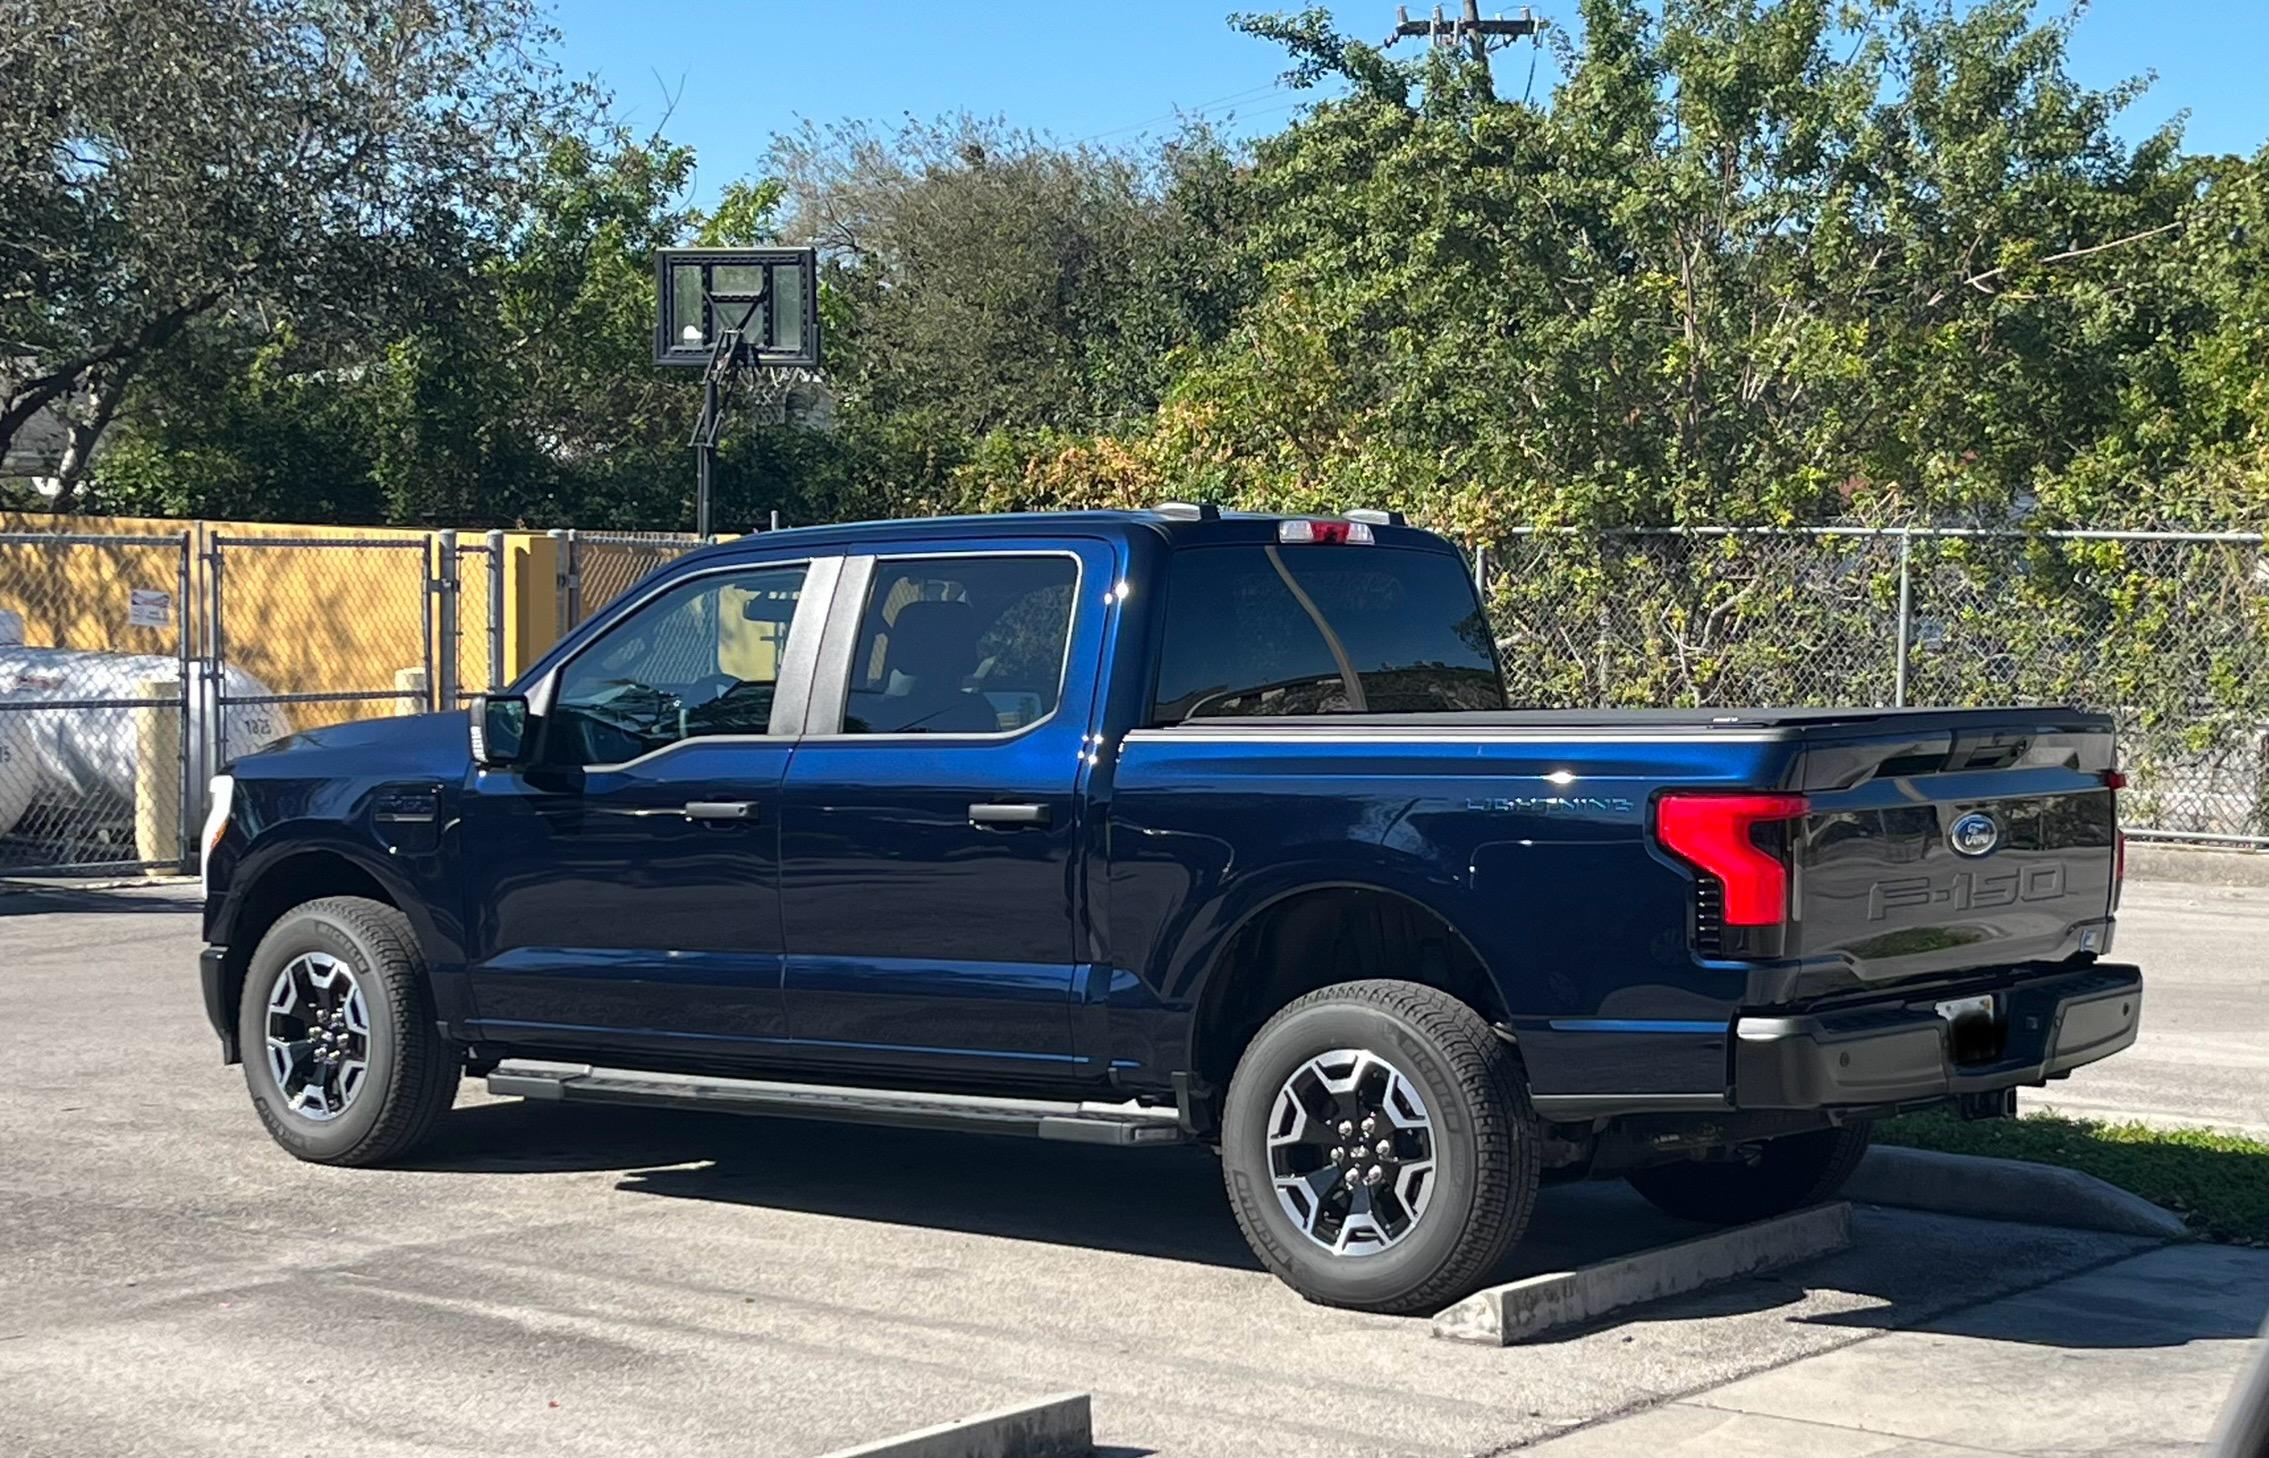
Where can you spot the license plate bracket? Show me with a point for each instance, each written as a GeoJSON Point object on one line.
{"type": "Point", "coordinates": [1974, 1032]}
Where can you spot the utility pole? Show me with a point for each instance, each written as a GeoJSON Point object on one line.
{"type": "Point", "coordinates": [1478, 36]}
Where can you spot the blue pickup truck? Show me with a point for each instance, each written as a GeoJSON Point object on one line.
{"type": "Point", "coordinates": [1169, 826]}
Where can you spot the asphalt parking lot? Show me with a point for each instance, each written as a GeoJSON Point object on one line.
{"type": "Point", "coordinates": [555, 1280]}
{"type": "Point", "coordinates": [2203, 1054]}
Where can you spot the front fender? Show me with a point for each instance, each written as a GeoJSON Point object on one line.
{"type": "Point", "coordinates": [277, 852]}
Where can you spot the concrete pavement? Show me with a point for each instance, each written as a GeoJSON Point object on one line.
{"type": "Point", "coordinates": [2135, 1358]}
{"type": "Point", "coordinates": [560, 1280]}
{"type": "Point", "coordinates": [2202, 1056]}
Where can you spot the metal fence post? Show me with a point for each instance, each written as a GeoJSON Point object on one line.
{"type": "Point", "coordinates": [216, 660]}
{"type": "Point", "coordinates": [574, 561]}
{"type": "Point", "coordinates": [495, 611]}
{"type": "Point", "coordinates": [185, 610]}
{"type": "Point", "coordinates": [442, 654]}
{"type": "Point", "coordinates": [1906, 616]}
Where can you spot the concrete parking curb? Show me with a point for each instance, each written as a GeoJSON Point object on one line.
{"type": "Point", "coordinates": [2006, 1189]}
{"type": "Point", "coordinates": [1502, 1315]}
{"type": "Point", "coordinates": [1054, 1427]}
{"type": "Point", "coordinates": [2194, 865]}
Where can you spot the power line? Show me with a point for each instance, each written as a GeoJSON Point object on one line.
{"type": "Point", "coordinates": [1199, 110]}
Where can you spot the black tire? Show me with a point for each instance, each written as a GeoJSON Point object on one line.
{"type": "Point", "coordinates": [1483, 1143]}
{"type": "Point", "coordinates": [1787, 1174]}
{"type": "Point", "coordinates": [411, 1077]}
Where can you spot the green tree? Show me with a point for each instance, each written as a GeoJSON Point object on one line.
{"type": "Point", "coordinates": [1747, 262]}
{"type": "Point", "coordinates": [990, 281]}
{"type": "Point", "coordinates": [165, 162]}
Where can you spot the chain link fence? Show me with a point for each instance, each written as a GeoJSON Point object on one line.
{"type": "Point", "coordinates": [133, 664]}
{"type": "Point", "coordinates": [310, 631]}
{"type": "Point", "coordinates": [130, 665]}
{"type": "Point", "coordinates": [598, 567]}
{"type": "Point", "coordinates": [96, 702]}
{"type": "Point", "coordinates": [2167, 632]}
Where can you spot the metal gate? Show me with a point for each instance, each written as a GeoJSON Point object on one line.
{"type": "Point", "coordinates": [97, 722]}
{"type": "Point", "coordinates": [310, 631]}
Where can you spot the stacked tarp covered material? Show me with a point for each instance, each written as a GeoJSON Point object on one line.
{"type": "Point", "coordinates": [87, 759]}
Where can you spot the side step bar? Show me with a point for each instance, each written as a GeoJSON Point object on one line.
{"type": "Point", "coordinates": [1041, 1118]}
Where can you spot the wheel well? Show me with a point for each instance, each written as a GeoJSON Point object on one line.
{"type": "Point", "coordinates": [291, 882]}
{"type": "Point", "coordinates": [1316, 938]}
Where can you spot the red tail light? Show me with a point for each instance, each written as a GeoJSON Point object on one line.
{"type": "Point", "coordinates": [1716, 834]}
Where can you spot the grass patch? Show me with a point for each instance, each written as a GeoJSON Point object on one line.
{"type": "Point", "coordinates": [2217, 1182]}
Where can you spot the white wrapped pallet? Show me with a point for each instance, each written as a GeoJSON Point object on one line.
{"type": "Point", "coordinates": [84, 757]}
{"type": "Point", "coordinates": [19, 773]}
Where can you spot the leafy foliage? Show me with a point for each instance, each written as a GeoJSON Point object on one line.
{"type": "Point", "coordinates": [1794, 262]}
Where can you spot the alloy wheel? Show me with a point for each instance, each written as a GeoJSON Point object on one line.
{"type": "Point", "coordinates": [318, 1034]}
{"type": "Point", "coordinates": [1351, 1151]}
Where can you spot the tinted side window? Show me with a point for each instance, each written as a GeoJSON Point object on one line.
{"type": "Point", "coordinates": [1272, 630]}
{"type": "Point", "coordinates": [961, 645]}
{"type": "Point", "coordinates": [700, 659]}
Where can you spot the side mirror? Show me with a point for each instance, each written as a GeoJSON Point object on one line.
{"type": "Point", "coordinates": [499, 727]}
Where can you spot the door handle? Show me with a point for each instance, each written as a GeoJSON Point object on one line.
{"type": "Point", "coordinates": [741, 810]}
{"type": "Point", "coordinates": [1009, 815]}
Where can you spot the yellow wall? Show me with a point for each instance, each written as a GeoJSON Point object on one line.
{"type": "Point", "coordinates": [301, 619]}
{"type": "Point", "coordinates": [76, 596]}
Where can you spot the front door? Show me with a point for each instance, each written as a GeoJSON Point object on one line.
{"type": "Point", "coordinates": [623, 888]}
{"type": "Point", "coordinates": [929, 835]}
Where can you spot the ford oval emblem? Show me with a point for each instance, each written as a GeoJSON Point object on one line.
{"type": "Point", "coordinates": [1974, 834]}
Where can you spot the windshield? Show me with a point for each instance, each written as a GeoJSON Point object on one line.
{"type": "Point", "coordinates": [1297, 629]}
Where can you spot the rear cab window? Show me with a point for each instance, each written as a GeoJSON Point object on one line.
{"type": "Point", "coordinates": [1265, 630]}
{"type": "Point", "coordinates": [969, 644]}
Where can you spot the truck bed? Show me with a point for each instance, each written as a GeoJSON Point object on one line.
{"type": "Point", "coordinates": [1701, 721]}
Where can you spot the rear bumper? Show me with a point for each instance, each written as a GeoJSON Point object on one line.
{"type": "Point", "coordinates": [211, 971]}
{"type": "Point", "coordinates": [1890, 1053]}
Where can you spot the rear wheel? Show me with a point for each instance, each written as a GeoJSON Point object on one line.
{"type": "Point", "coordinates": [341, 1054]}
{"type": "Point", "coordinates": [1378, 1147]}
{"type": "Point", "coordinates": [1777, 1176]}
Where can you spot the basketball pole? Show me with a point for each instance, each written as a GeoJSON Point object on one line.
{"type": "Point", "coordinates": [705, 455]}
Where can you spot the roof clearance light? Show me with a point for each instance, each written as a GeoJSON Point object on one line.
{"type": "Point", "coordinates": [1325, 531]}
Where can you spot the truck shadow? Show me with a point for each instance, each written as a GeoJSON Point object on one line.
{"type": "Point", "coordinates": [31, 900]}
{"type": "Point", "coordinates": [1946, 1274]}
{"type": "Point", "coordinates": [1167, 1203]}
{"type": "Point", "coordinates": [1159, 1202]}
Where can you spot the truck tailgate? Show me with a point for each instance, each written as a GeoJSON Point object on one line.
{"type": "Point", "coordinates": [1936, 844]}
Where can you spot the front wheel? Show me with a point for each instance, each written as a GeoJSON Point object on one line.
{"type": "Point", "coordinates": [1378, 1147]}
{"type": "Point", "coordinates": [341, 1054]}
{"type": "Point", "coordinates": [1777, 1176]}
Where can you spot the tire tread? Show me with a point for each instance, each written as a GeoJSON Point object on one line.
{"type": "Point", "coordinates": [426, 1066]}
{"type": "Point", "coordinates": [1495, 1090]}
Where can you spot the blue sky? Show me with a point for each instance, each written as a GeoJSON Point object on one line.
{"type": "Point", "coordinates": [1114, 69]}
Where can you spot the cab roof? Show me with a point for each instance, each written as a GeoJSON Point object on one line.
{"type": "Point", "coordinates": [1178, 528]}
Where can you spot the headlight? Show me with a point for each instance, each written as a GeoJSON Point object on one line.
{"type": "Point", "coordinates": [223, 798]}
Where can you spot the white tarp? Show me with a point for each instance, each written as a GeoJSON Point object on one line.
{"type": "Point", "coordinates": [77, 756]}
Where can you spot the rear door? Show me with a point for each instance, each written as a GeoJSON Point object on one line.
{"type": "Point", "coordinates": [1938, 843]}
{"type": "Point", "coordinates": [931, 879]}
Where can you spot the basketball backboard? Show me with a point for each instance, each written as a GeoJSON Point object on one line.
{"type": "Point", "coordinates": [771, 295]}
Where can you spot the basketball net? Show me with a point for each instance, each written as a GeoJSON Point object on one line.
{"type": "Point", "coordinates": [769, 387]}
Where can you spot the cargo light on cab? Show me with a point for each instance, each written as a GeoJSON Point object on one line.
{"type": "Point", "coordinates": [1324, 531]}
